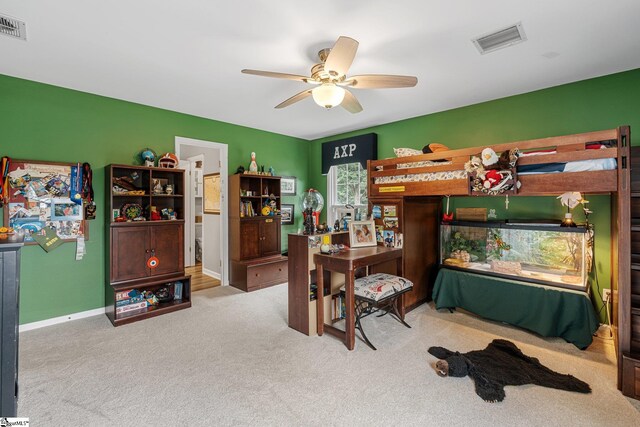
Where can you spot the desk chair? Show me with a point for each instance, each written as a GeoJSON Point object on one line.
{"type": "Point", "coordinates": [378, 292]}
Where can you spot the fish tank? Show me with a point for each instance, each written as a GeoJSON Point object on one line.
{"type": "Point", "coordinates": [534, 252]}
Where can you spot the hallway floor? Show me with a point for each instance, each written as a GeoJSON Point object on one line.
{"type": "Point", "coordinates": [200, 281]}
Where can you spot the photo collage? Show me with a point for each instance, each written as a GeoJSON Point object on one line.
{"type": "Point", "coordinates": [41, 195]}
{"type": "Point", "coordinates": [387, 225]}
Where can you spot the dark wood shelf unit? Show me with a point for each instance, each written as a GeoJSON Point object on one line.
{"type": "Point", "coordinates": [255, 241]}
{"type": "Point", "coordinates": [131, 244]}
{"type": "Point", "coordinates": [143, 179]}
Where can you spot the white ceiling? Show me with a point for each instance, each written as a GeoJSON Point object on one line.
{"type": "Point", "coordinates": [187, 55]}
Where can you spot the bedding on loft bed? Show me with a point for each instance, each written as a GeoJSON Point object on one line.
{"type": "Point", "coordinates": [544, 168]}
{"type": "Point", "coordinates": [577, 166]}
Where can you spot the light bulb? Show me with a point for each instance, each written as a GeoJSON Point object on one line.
{"type": "Point", "coordinates": [328, 95]}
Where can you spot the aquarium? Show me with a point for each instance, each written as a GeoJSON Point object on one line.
{"type": "Point", "coordinates": [535, 252]}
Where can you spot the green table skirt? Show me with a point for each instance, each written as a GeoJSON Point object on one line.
{"type": "Point", "coordinates": [550, 312]}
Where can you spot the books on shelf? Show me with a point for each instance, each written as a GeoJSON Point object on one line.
{"type": "Point", "coordinates": [128, 301]}
{"type": "Point", "coordinates": [338, 307]}
{"type": "Point", "coordinates": [246, 209]}
{"type": "Point", "coordinates": [131, 307]}
{"type": "Point", "coordinates": [123, 295]}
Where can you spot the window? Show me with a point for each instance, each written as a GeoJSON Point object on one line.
{"type": "Point", "coordinates": [346, 184]}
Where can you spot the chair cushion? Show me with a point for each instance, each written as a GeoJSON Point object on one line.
{"type": "Point", "coordinates": [379, 286]}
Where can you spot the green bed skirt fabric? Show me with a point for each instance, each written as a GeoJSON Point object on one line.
{"type": "Point", "coordinates": [550, 312]}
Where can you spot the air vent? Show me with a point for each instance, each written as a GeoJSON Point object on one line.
{"type": "Point", "coordinates": [505, 37]}
{"type": "Point", "coordinates": [13, 28]}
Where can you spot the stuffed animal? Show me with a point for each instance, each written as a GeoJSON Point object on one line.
{"type": "Point", "coordinates": [475, 165]}
{"type": "Point", "coordinates": [489, 158]}
{"type": "Point", "coordinates": [492, 178]}
{"type": "Point", "coordinates": [499, 365]}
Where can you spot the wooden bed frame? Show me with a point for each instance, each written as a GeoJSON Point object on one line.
{"type": "Point", "coordinates": [569, 148]}
{"type": "Point", "coordinates": [615, 182]}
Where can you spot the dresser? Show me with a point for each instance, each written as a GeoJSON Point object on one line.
{"type": "Point", "coordinates": [9, 311]}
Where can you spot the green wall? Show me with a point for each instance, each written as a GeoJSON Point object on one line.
{"type": "Point", "coordinates": [595, 104]}
{"type": "Point", "coordinates": [43, 122]}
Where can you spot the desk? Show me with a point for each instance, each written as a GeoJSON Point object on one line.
{"type": "Point", "coordinates": [348, 262]}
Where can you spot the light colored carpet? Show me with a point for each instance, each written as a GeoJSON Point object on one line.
{"type": "Point", "coordinates": [232, 360]}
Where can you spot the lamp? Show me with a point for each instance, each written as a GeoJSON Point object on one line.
{"type": "Point", "coordinates": [328, 95]}
{"type": "Point", "coordinates": [570, 200]}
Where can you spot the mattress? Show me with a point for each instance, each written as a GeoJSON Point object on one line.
{"type": "Point", "coordinates": [578, 166]}
{"type": "Point", "coordinates": [422, 177]}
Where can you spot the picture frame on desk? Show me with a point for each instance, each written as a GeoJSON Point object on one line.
{"type": "Point", "coordinates": [362, 234]}
{"type": "Point", "coordinates": [287, 212]}
{"type": "Point", "coordinates": [288, 186]}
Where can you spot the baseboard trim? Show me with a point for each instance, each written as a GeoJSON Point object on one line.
{"type": "Point", "coordinates": [61, 319]}
{"type": "Point", "coordinates": [210, 273]}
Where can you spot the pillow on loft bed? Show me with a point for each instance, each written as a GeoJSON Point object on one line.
{"type": "Point", "coordinates": [406, 152]}
{"type": "Point", "coordinates": [430, 148]}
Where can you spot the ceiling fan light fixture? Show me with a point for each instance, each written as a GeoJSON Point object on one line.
{"type": "Point", "coordinates": [328, 95]}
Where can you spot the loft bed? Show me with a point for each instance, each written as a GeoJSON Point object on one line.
{"type": "Point", "coordinates": [556, 165]}
{"type": "Point", "coordinates": [443, 173]}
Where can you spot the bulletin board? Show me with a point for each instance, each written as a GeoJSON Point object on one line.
{"type": "Point", "coordinates": [211, 183]}
{"type": "Point", "coordinates": [40, 195]}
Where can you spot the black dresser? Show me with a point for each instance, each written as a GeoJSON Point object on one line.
{"type": "Point", "coordinates": [9, 300]}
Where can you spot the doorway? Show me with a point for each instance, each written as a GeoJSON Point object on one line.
{"type": "Point", "coordinates": [206, 235]}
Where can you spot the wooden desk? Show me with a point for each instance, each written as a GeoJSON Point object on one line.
{"type": "Point", "coordinates": [347, 262]}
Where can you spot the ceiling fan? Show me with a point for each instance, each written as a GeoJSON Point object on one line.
{"type": "Point", "coordinates": [330, 78]}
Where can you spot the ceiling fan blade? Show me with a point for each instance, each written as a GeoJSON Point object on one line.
{"type": "Point", "coordinates": [350, 103]}
{"type": "Point", "coordinates": [341, 56]}
{"type": "Point", "coordinates": [380, 81]}
{"type": "Point", "coordinates": [295, 98]}
{"type": "Point", "coordinates": [278, 75]}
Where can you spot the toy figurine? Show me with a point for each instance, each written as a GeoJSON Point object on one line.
{"type": "Point", "coordinates": [157, 187]}
{"type": "Point", "coordinates": [272, 171]}
{"type": "Point", "coordinates": [155, 215]}
{"type": "Point", "coordinates": [253, 166]}
{"type": "Point", "coordinates": [308, 221]}
{"type": "Point", "coordinates": [336, 226]}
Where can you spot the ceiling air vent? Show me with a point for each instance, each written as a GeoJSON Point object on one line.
{"type": "Point", "coordinates": [12, 27]}
{"type": "Point", "coordinates": [505, 37]}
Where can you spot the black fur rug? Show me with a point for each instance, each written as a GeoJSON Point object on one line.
{"type": "Point", "coordinates": [499, 365]}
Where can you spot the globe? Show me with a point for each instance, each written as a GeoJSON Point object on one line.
{"type": "Point", "coordinates": [312, 199]}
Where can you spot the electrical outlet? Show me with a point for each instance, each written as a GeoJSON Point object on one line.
{"type": "Point", "coordinates": [606, 295]}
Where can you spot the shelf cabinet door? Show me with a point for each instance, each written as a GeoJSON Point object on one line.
{"type": "Point", "coordinates": [129, 253]}
{"type": "Point", "coordinates": [250, 239]}
{"type": "Point", "coordinates": [270, 237]}
{"type": "Point", "coordinates": [168, 245]}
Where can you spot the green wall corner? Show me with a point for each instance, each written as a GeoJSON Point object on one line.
{"type": "Point", "coordinates": [49, 123]}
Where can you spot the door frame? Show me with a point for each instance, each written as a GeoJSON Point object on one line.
{"type": "Point", "coordinates": [189, 228]}
{"type": "Point", "coordinates": [224, 208]}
